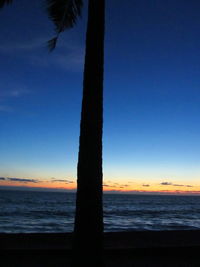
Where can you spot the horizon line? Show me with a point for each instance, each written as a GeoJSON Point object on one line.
{"type": "Point", "coordinates": [130, 192]}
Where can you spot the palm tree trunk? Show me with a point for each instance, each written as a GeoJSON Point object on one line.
{"type": "Point", "coordinates": [88, 230]}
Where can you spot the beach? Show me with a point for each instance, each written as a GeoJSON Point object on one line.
{"type": "Point", "coordinates": [139, 248]}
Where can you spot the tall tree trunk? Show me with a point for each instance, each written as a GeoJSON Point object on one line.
{"type": "Point", "coordinates": [88, 230]}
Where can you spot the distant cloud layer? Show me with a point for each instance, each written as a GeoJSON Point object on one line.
{"type": "Point", "coordinates": [115, 185]}
{"type": "Point", "coordinates": [27, 180]}
{"type": "Point", "coordinates": [23, 180]}
{"type": "Point", "coordinates": [172, 184]}
{"type": "Point", "coordinates": [62, 181]}
{"type": "Point", "coordinates": [187, 185]}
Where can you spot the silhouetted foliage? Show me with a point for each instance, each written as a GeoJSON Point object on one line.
{"type": "Point", "coordinates": [5, 2]}
{"type": "Point", "coordinates": [52, 43]}
{"type": "Point", "coordinates": [64, 14]}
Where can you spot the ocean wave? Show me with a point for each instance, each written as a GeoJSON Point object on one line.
{"type": "Point", "coordinates": [40, 212]}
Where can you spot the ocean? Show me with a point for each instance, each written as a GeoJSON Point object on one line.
{"type": "Point", "coordinates": [42, 212]}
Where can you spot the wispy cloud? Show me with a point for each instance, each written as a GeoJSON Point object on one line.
{"type": "Point", "coordinates": [26, 46]}
{"type": "Point", "coordinates": [69, 60]}
{"type": "Point", "coordinates": [62, 181]}
{"type": "Point", "coordinates": [4, 108]}
{"type": "Point", "coordinates": [29, 180]}
{"type": "Point", "coordinates": [107, 185]}
{"type": "Point", "coordinates": [187, 185]}
{"type": "Point", "coordinates": [69, 55]}
{"type": "Point", "coordinates": [146, 185]}
{"type": "Point", "coordinates": [23, 180]}
{"type": "Point", "coordinates": [166, 183]}
{"type": "Point", "coordinates": [124, 185]}
{"type": "Point", "coordinates": [115, 185]}
{"type": "Point", "coordinates": [9, 94]}
{"type": "Point", "coordinates": [172, 184]}
{"type": "Point", "coordinates": [18, 92]}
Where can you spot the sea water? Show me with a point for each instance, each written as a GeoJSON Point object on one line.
{"type": "Point", "coordinates": [31, 212]}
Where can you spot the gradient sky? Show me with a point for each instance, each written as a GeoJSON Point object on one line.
{"type": "Point", "coordinates": [152, 97]}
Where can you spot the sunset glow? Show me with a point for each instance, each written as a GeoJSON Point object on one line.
{"type": "Point", "coordinates": [108, 186]}
{"type": "Point", "coordinates": [151, 134]}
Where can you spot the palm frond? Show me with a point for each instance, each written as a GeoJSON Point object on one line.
{"type": "Point", "coordinates": [5, 2]}
{"type": "Point", "coordinates": [64, 14]}
{"type": "Point", "coordinates": [52, 43]}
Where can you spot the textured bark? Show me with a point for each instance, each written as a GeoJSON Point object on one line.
{"type": "Point", "coordinates": [88, 230]}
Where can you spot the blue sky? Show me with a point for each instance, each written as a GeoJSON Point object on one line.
{"type": "Point", "coordinates": [152, 93]}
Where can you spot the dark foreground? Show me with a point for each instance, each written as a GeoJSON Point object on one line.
{"type": "Point", "coordinates": [163, 248]}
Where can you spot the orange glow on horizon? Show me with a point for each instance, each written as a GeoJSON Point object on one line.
{"type": "Point", "coordinates": [42, 184]}
{"type": "Point", "coordinates": [109, 186]}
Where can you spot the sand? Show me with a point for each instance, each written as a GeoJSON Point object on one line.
{"type": "Point", "coordinates": [148, 248]}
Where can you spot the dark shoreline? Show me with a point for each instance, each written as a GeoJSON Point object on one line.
{"type": "Point", "coordinates": [115, 240]}
{"type": "Point", "coordinates": [139, 248]}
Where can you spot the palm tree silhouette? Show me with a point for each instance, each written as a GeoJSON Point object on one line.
{"type": "Point", "coordinates": [88, 229]}
{"type": "Point", "coordinates": [4, 2]}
